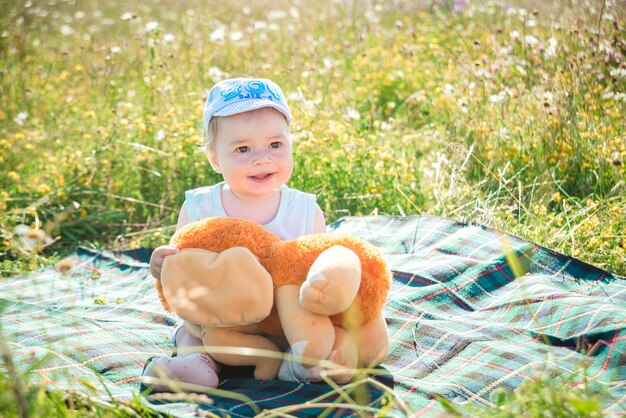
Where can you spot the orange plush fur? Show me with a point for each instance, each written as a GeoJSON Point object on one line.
{"type": "Point", "coordinates": [288, 262]}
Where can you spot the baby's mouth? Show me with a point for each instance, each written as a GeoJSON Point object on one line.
{"type": "Point", "coordinates": [261, 177]}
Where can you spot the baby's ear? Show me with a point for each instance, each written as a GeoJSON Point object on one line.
{"type": "Point", "coordinates": [212, 157]}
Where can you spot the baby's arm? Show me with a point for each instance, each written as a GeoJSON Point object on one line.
{"type": "Point", "coordinates": [160, 252]}
{"type": "Point", "coordinates": [320, 222]}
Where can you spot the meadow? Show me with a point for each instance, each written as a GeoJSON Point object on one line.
{"type": "Point", "coordinates": [508, 114]}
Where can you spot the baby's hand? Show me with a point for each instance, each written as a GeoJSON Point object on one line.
{"type": "Point", "coordinates": [157, 257]}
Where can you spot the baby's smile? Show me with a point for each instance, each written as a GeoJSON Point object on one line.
{"type": "Point", "coordinates": [262, 177]}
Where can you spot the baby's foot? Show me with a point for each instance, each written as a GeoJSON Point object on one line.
{"type": "Point", "coordinates": [196, 368]}
{"type": "Point", "coordinates": [333, 281]}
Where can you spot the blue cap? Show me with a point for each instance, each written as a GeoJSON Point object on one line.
{"type": "Point", "coordinates": [238, 95]}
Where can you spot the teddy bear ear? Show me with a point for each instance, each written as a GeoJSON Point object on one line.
{"type": "Point", "coordinates": [230, 288]}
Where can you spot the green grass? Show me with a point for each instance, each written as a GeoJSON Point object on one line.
{"type": "Point", "coordinates": [512, 117]}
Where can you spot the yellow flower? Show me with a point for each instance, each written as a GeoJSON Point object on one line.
{"type": "Point", "coordinates": [13, 175]}
{"type": "Point", "coordinates": [43, 189]}
{"type": "Point", "coordinates": [593, 243]}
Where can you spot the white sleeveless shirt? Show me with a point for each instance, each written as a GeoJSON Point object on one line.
{"type": "Point", "coordinates": [295, 216]}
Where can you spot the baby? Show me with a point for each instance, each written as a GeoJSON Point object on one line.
{"type": "Point", "coordinates": [248, 142]}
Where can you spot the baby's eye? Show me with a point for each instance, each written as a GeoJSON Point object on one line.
{"type": "Point", "coordinates": [276, 144]}
{"type": "Point", "coordinates": [242, 149]}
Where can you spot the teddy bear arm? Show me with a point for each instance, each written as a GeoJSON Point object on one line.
{"type": "Point", "coordinates": [265, 367]}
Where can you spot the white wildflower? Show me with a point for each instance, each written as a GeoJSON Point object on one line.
{"type": "Point", "coordinates": [550, 51]}
{"type": "Point", "coordinates": [276, 14]}
{"type": "Point", "coordinates": [66, 30]}
{"type": "Point", "coordinates": [160, 135]}
{"type": "Point", "coordinates": [482, 73]}
{"type": "Point", "coordinates": [500, 97]}
{"type": "Point", "coordinates": [217, 75]}
{"type": "Point", "coordinates": [31, 239]}
{"type": "Point", "coordinates": [236, 36]}
{"type": "Point", "coordinates": [352, 113]}
{"type": "Point", "coordinates": [20, 118]}
{"type": "Point", "coordinates": [259, 25]}
{"type": "Point", "coordinates": [531, 40]}
{"type": "Point", "coordinates": [328, 62]}
{"type": "Point", "coordinates": [168, 37]}
{"type": "Point", "coordinates": [462, 103]}
{"type": "Point", "coordinates": [218, 35]}
{"type": "Point", "coordinates": [150, 26]}
{"type": "Point", "coordinates": [385, 126]}
{"type": "Point", "coordinates": [514, 34]}
{"type": "Point", "coordinates": [548, 97]}
{"type": "Point", "coordinates": [295, 96]}
{"type": "Point", "coordinates": [618, 73]}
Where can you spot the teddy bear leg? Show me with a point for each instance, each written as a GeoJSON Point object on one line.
{"type": "Point", "coordinates": [265, 368]}
{"type": "Point", "coordinates": [372, 341]}
{"type": "Point", "coordinates": [333, 281]}
{"type": "Point", "coordinates": [344, 357]}
{"type": "Point", "coordinates": [315, 332]}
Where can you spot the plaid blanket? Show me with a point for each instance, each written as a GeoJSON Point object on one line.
{"type": "Point", "coordinates": [471, 310]}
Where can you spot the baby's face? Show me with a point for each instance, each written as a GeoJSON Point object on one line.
{"type": "Point", "coordinates": [252, 150]}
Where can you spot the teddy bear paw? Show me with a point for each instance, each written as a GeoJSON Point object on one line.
{"type": "Point", "coordinates": [332, 282]}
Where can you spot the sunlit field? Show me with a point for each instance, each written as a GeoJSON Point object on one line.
{"type": "Point", "coordinates": [507, 114]}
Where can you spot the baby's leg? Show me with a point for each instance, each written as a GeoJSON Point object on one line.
{"type": "Point", "coordinates": [190, 365]}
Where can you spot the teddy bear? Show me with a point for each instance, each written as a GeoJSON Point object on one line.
{"type": "Point", "coordinates": [237, 284]}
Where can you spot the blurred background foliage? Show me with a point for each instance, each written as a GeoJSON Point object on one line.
{"type": "Point", "coordinates": [510, 114]}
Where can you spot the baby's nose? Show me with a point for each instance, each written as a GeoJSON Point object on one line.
{"type": "Point", "coordinates": [262, 157]}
